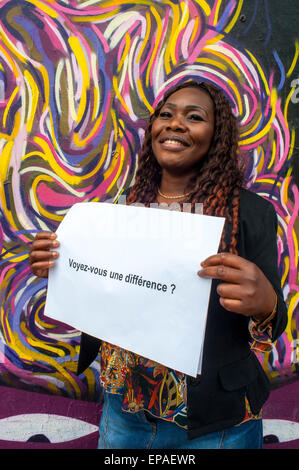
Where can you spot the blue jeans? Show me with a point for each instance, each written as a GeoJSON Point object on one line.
{"type": "Point", "coordinates": [122, 430]}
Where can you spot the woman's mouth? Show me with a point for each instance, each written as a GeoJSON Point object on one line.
{"type": "Point", "coordinates": [173, 143]}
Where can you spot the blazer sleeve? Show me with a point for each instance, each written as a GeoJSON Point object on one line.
{"type": "Point", "coordinates": [89, 349]}
{"type": "Point", "coordinates": [260, 227]}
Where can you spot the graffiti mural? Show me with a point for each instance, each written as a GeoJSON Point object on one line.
{"type": "Point", "coordinates": [31, 420]}
{"type": "Point", "coordinates": [78, 81]}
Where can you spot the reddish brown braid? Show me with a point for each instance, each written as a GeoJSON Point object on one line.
{"type": "Point", "coordinates": [218, 181]}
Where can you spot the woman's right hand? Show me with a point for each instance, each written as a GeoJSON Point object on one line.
{"type": "Point", "coordinates": [41, 255]}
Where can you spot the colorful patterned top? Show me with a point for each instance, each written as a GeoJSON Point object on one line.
{"type": "Point", "coordinates": [150, 386]}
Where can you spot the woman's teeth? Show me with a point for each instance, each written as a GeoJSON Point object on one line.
{"type": "Point", "coordinates": [173, 142]}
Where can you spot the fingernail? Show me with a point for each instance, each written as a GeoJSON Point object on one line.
{"type": "Point", "coordinates": [54, 254]}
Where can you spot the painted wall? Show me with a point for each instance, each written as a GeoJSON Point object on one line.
{"type": "Point", "coordinates": [78, 80]}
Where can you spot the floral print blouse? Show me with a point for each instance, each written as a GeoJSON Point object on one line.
{"type": "Point", "coordinates": [147, 385]}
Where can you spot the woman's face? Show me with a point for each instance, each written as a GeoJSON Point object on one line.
{"type": "Point", "coordinates": [182, 132]}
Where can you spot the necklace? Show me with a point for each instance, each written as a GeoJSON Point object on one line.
{"type": "Point", "coordinates": [174, 197]}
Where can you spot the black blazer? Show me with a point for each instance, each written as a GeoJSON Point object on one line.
{"type": "Point", "coordinates": [230, 370]}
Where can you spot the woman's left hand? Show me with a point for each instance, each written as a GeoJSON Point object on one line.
{"type": "Point", "coordinates": [245, 289]}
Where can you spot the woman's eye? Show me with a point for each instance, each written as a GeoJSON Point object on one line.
{"type": "Point", "coordinates": [195, 117]}
{"type": "Point", "coordinates": [165, 114]}
{"type": "Point", "coordinates": [191, 117]}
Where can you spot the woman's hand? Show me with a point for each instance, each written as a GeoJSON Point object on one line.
{"type": "Point", "coordinates": [245, 289]}
{"type": "Point", "coordinates": [41, 256]}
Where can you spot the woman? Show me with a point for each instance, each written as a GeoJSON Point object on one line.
{"type": "Point", "coordinates": [190, 154]}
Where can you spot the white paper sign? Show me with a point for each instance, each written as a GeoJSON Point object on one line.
{"type": "Point", "coordinates": [128, 275]}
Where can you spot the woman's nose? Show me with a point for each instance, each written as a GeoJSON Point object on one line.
{"type": "Point", "coordinates": [176, 123]}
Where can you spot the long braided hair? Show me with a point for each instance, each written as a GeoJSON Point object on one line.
{"type": "Point", "coordinates": [219, 179]}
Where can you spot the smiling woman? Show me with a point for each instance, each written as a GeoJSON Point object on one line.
{"type": "Point", "coordinates": [204, 168]}
{"type": "Point", "coordinates": [190, 155]}
{"type": "Point", "coordinates": [182, 134]}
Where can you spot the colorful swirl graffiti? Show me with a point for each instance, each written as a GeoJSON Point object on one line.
{"type": "Point", "coordinates": [78, 80]}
